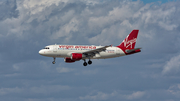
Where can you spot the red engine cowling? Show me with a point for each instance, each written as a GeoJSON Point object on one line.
{"type": "Point", "coordinates": [68, 60]}
{"type": "Point", "coordinates": [76, 56]}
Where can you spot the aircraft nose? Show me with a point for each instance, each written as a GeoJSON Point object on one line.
{"type": "Point", "coordinates": [41, 52]}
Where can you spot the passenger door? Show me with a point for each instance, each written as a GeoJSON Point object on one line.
{"type": "Point", "coordinates": [55, 48]}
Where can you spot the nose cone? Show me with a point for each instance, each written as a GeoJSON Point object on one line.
{"type": "Point", "coordinates": [41, 52]}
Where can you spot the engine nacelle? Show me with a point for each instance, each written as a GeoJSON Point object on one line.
{"type": "Point", "coordinates": [76, 56]}
{"type": "Point", "coordinates": [68, 60]}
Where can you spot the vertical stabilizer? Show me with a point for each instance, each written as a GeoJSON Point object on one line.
{"type": "Point", "coordinates": [129, 42]}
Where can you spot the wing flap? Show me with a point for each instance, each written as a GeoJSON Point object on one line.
{"type": "Point", "coordinates": [95, 51]}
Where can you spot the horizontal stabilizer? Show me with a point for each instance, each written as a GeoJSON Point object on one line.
{"type": "Point", "coordinates": [132, 50]}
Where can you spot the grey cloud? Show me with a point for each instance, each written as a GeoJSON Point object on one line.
{"type": "Point", "coordinates": [114, 94]}
{"type": "Point", "coordinates": [33, 24]}
{"type": "Point", "coordinates": [172, 66]}
{"type": "Point", "coordinates": [64, 69]}
{"type": "Point", "coordinates": [8, 9]}
{"type": "Point", "coordinates": [175, 89]}
{"type": "Point", "coordinates": [99, 96]}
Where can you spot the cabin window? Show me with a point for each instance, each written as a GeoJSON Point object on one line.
{"type": "Point", "coordinates": [46, 48]}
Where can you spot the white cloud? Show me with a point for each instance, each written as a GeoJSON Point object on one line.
{"type": "Point", "coordinates": [18, 66]}
{"type": "Point", "coordinates": [12, 75]}
{"type": "Point", "coordinates": [4, 91]}
{"type": "Point", "coordinates": [90, 72]}
{"type": "Point", "coordinates": [114, 94]}
{"type": "Point", "coordinates": [64, 69]}
{"type": "Point", "coordinates": [36, 6]}
{"type": "Point", "coordinates": [117, 14]}
{"type": "Point", "coordinates": [161, 16]}
{"type": "Point", "coordinates": [131, 16]}
{"type": "Point", "coordinates": [172, 66]}
{"type": "Point", "coordinates": [44, 89]}
{"type": "Point", "coordinates": [135, 95]}
{"type": "Point", "coordinates": [47, 89]}
{"type": "Point", "coordinates": [66, 30]}
{"type": "Point", "coordinates": [106, 36]}
{"type": "Point", "coordinates": [98, 96]}
{"type": "Point", "coordinates": [43, 22]}
{"type": "Point", "coordinates": [122, 18]}
{"type": "Point", "coordinates": [175, 89]}
{"type": "Point", "coordinates": [87, 72]}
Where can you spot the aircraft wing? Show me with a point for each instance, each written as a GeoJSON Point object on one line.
{"type": "Point", "coordinates": [95, 51]}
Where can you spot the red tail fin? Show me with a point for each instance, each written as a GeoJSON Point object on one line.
{"type": "Point", "coordinates": [130, 41]}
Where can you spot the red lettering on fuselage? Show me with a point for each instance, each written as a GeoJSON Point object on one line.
{"type": "Point", "coordinates": [77, 47]}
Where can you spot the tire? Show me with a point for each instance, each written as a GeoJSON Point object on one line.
{"type": "Point", "coordinates": [85, 64]}
{"type": "Point", "coordinates": [89, 62]}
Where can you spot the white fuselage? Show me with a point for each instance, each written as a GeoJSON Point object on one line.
{"type": "Point", "coordinates": [72, 53]}
{"type": "Point", "coordinates": [63, 51]}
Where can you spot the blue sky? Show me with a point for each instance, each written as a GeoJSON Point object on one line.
{"type": "Point", "coordinates": [162, 1]}
{"type": "Point", "coordinates": [26, 26]}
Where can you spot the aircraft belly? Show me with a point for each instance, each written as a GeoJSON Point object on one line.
{"type": "Point", "coordinates": [104, 55]}
{"type": "Point", "coordinates": [111, 52]}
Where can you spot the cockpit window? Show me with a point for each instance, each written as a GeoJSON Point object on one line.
{"type": "Point", "coordinates": [46, 48]}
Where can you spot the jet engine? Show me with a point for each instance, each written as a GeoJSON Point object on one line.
{"type": "Point", "coordinates": [68, 60]}
{"type": "Point", "coordinates": [76, 56]}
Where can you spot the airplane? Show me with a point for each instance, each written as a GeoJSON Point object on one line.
{"type": "Point", "coordinates": [73, 53]}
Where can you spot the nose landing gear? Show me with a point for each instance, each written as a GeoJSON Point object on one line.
{"type": "Point", "coordinates": [54, 61]}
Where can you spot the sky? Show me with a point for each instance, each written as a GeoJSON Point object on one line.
{"type": "Point", "coordinates": [156, 1]}
{"type": "Point", "coordinates": [26, 26]}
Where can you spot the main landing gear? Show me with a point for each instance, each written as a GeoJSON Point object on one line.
{"type": "Point", "coordinates": [54, 61]}
{"type": "Point", "coordinates": [85, 63]}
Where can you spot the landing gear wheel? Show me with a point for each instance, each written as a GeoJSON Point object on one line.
{"type": "Point", "coordinates": [53, 62]}
{"type": "Point", "coordinates": [89, 62]}
{"type": "Point", "coordinates": [85, 63]}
